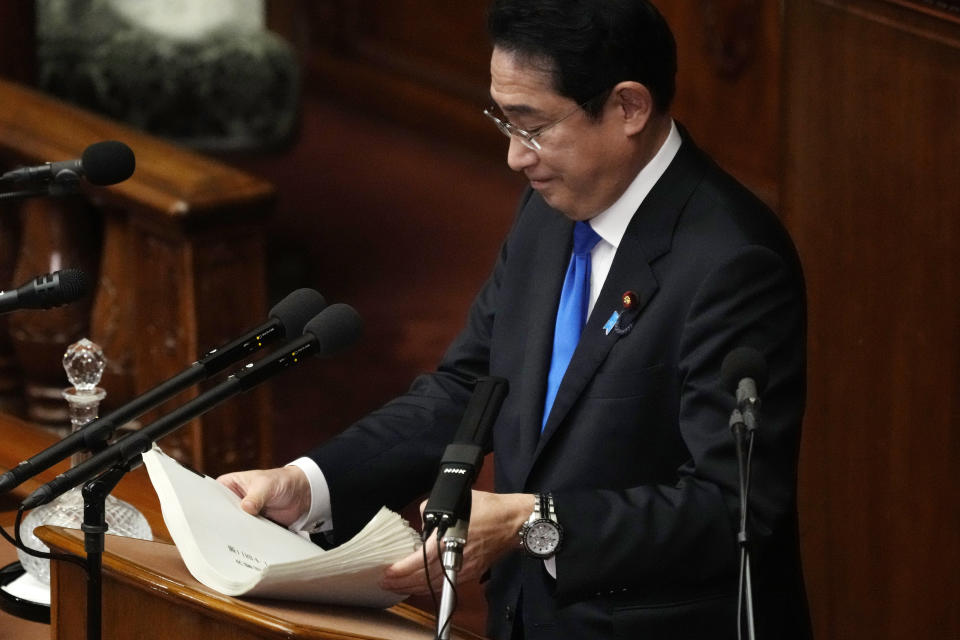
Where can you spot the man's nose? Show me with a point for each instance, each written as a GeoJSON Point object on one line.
{"type": "Point", "coordinates": [520, 156]}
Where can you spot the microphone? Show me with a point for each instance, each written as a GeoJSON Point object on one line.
{"type": "Point", "coordinates": [46, 291]}
{"type": "Point", "coordinates": [103, 163]}
{"type": "Point", "coordinates": [744, 373]}
{"type": "Point", "coordinates": [328, 333]}
{"type": "Point", "coordinates": [287, 318]}
{"type": "Point", "coordinates": [450, 497]}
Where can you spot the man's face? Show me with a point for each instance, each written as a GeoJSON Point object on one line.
{"type": "Point", "coordinates": [580, 170]}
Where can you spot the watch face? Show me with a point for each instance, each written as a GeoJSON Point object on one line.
{"type": "Point", "coordinates": [543, 538]}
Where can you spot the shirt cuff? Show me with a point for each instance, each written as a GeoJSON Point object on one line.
{"type": "Point", "coordinates": [320, 516]}
{"type": "Point", "coordinates": [550, 564]}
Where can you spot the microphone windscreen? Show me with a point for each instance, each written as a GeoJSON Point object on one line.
{"type": "Point", "coordinates": [74, 284]}
{"type": "Point", "coordinates": [107, 162]}
{"type": "Point", "coordinates": [295, 310]}
{"type": "Point", "coordinates": [336, 328]}
{"type": "Point", "coordinates": [744, 362]}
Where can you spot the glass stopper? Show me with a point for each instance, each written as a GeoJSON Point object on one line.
{"type": "Point", "coordinates": [84, 363]}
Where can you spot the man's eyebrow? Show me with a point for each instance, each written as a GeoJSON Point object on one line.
{"type": "Point", "coordinates": [520, 110]}
{"type": "Point", "coordinates": [515, 109]}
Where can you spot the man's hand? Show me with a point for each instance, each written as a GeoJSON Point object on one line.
{"type": "Point", "coordinates": [494, 522]}
{"type": "Point", "coordinates": [281, 494]}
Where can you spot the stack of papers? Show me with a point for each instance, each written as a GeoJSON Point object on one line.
{"type": "Point", "coordinates": [236, 553]}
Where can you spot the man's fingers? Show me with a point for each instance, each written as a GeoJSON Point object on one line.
{"type": "Point", "coordinates": [231, 481]}
{"type": "Point", "coordinates": [251, 486]}
{"type": "Point", "coordinates": [251, 506]}
{"type": "Point", "coordinates": [408, 576]}
{"type": "Point", "coordinates": [405, 566]}
{"type": "Point", "coordinates": [260, 492]}
{"type": "Point", "coordinates": [414, 584]}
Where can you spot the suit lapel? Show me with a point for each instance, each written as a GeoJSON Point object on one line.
{"type": "Point", "coordinates": [553, 254]}
{"type": "Point", "coordinates": [648, 236]}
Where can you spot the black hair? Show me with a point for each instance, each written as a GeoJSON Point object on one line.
{"type": "Point", "coordinates": [590, 45]}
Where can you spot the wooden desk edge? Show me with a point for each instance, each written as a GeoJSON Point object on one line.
{"type": "Point", "coordinates": [225, 607]}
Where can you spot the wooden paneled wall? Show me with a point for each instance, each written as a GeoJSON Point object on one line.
{"type": "Point", "coordinates": [871, 150]}
{"type": "Point", "coordinates": [18, 42]}
{"type": "Point", "coordinates": [425, 65]}
{"type": "Point", "coordinates": [728, 85]}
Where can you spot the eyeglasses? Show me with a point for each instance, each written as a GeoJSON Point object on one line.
{"type": "Point", "coordinates": [526, 138]}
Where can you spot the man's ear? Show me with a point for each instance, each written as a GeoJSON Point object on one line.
{"type": "Point", "coordinates": [634, 106]}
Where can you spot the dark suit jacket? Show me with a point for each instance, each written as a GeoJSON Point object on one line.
{"type": "Point", "coordinates": [636, 451]}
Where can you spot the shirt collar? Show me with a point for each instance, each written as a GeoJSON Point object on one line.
{"type": "Point", "coordinates": [611, 223]}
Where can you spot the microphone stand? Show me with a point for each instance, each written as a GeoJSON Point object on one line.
{"type": "Point", "coordinates": [56, 190]}
{"type": "Point", "coordinates": [448, 507]}
{"type": "Point", "coordinates": [744, 443]}
{"type": "Point", "coordinates": [22, 195]}
{"type": "Point", "coordinates": [454, 540]}
{"type": "Point", "coordinates": [94, 540]}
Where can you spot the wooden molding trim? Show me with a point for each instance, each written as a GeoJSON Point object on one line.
{"type": "Point", "coordinates": [905, 15]}
{"type": "Point", "coordinates": [178, 186]}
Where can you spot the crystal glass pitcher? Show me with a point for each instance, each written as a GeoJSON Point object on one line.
{"type": "Point", "coordinates": [84, 364]}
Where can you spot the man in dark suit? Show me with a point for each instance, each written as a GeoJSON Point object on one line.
{"type": "Point", "coordinates": [619, 436]}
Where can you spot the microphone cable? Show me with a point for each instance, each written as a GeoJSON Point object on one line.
{"type": "Point", "coordinates": [17, 542]}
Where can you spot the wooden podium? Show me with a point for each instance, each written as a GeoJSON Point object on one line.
{"type": "Point", "coordinates": [148, 593]}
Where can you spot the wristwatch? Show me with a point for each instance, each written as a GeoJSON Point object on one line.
{"type": "Point", "coordinates": [541, 535]}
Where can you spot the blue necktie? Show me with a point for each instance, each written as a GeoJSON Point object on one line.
{"type": "Point", "coordinates": [572, 311]}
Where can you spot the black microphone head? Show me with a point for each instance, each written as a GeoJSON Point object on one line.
{"type": "Point", "coordinates": [54, 289]}
{"type": "Point", "coordinates": [336, 328]}
{"type": "Point", "coordinates": [295, 310]}
{"type": "Point", "coordinates": [74, 284]}
{"type": "Point", "coordinates": [744, 362]}
{"type": "Point", "coordinates": [107, 162]}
